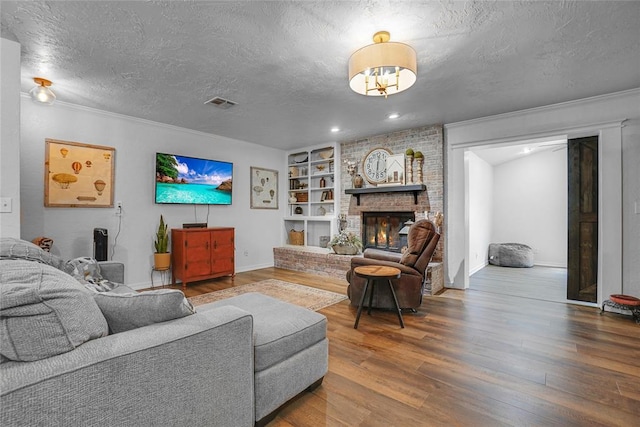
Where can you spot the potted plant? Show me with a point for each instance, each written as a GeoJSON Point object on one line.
{"type": "Point", "coordinates": [162, 257]}
{"type": "Point", "coordinates": [346, 243]}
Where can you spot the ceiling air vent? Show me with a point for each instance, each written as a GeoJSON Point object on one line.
{"type": "Point", "coordinates": [221, 103]}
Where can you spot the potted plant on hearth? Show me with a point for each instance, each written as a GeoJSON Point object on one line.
{"type": "Point", "coordinates": [162, 257]}
{"type": "Point", "coordinates": [346, 243]}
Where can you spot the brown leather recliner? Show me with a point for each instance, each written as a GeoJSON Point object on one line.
{"type": "Point", "coordinates": [422, 241]}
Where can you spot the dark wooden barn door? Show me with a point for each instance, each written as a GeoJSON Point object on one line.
{"type": "Point", "coordinates": [582, 260]}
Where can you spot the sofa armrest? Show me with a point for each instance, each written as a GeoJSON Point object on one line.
{"type": "Point", "coordinates": [113, 271]}
{"type": "Point", "coordinates": [196, 370]}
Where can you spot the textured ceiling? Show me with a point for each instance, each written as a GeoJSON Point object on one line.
{"type": "Point", "coordinates": [285, 63]}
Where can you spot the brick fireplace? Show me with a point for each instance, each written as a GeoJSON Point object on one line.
{"type": "Point", "coordinates": [428, 140]}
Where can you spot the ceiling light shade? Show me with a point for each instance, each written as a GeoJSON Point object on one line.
{"type": "Point", "coordinates": [41, 93]}
{"type": "Point", "coordinates": [382, 68]}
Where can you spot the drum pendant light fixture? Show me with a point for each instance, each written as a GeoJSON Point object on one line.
{"type": "Point", "coordinates": [383, 68]}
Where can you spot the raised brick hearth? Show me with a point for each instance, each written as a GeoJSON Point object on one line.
{"type": "Point", "coordinates": [324, 262]}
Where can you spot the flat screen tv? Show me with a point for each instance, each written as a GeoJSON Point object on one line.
{"type": "Point", "coordinates": [190, 180]}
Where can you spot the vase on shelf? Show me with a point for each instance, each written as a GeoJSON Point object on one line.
{"type": "Point", "coordinates": [358, 181]}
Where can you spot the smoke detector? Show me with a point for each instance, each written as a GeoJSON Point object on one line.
{"type": "Point", "coordinates": [225, 104]}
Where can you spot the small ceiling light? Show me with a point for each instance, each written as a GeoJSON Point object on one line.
{"type": "Point", "coordinates": [41, 93]}
{"type": "Point", "coordinates": [393, 116]}
{"type": "Point", "coordinates": [335, 129]}
{"type": "Point", "coordinates": [527, 150]}
{"type": "Point", "coordinates": [384, 65]}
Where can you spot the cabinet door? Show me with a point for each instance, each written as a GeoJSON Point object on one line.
{"type": "Point", "coordinates": [222, 255]}
{"type": "Point", "coordinates": [197, 254]}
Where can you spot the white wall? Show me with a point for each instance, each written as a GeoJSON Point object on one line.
{"type": "Point", "coordinates": [136, 142]}
{"type": "Point", "coordinates": [10, 136]}
{"type": "Point", "coordinates": [603, 116]}
{"type": "Point", "coordinates": [480, 179]}
{"type": "Point", "coordinates": [530, 205]}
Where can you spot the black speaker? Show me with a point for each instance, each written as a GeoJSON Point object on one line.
{"type": "Point", "coordinates": [100, 244]}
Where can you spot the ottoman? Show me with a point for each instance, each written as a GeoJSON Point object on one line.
{"type": "Point", "coordinates": [510, 255]}
{"type": "Point", "coordinates": [291, 350]}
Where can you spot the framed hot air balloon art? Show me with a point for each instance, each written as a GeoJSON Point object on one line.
{"type": "Point", "coordinates": [78, 175]}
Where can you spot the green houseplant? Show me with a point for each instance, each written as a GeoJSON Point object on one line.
{"type": "Point", "coordinates": [162, 257]}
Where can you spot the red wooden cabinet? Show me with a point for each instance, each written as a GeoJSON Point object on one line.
{"type": "Point", "coordinates": [202, 253]}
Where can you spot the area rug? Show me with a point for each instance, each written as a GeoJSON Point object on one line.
{"type": "Point", "coordinates": [304, 296]}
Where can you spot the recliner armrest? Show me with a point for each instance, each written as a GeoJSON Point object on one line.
{"type": "Point", "coordinates": [357, 262]}
{"type": "Point", "coordinates": [113, 271]}
{"type": "Point", "coordinates": [382, 255]}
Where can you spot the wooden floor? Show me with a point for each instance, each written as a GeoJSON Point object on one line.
{"type": "Point", "coordinates": [468, 358]}
{"type": "Point", "coordinates": [537, 282]}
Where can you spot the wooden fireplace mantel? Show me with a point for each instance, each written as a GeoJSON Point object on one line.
{"type": "Point", "coordinates": [413, 188]}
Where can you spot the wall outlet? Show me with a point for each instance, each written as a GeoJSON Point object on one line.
{"type": "Point", "coordinates": [118, 208]}
{"type": "Point", "coordinates": [5, 204]}
{"type": "Point", "coordinates": [246, 253]}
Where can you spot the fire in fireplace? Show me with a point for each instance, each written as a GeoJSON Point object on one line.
{"type": "Point", "coordinates": [380, 230]}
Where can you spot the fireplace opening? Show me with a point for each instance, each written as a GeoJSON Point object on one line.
{"type": "Point", "coordinates": [381, 230]}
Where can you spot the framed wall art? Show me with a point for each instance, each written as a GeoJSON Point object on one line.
{"type": "Point", "coordinates": [264, 188]}
{"type": "Point", "coordinates": [78, 175]}
{"type": "Point", "coordinates": [395, 169]}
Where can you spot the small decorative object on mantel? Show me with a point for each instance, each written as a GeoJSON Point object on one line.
{"type": "Point", "coordinates": [395, 169]}
{"type": "Point", "coordinates": [352, 168]}
{"type": "Point", "coordinates": [358, 181]}
{"type": "Point", "coordinates": [420, 162]}
{"type": "Point", "coordinates": [409, 168]}
{"type": "Point", "coordinates": [346, 243]}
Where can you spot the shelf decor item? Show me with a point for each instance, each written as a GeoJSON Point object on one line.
{"type": "Point", "coordinates": [409, 158]}
{"type": "Point", "coordinates": [374, 165]}
{"type": "Point", "coordinates": [420, 162]}
{"type": "Point", "coordinates": [264, 188]}
{"type": "Point", "coordinates": [346, 243]}
{"type": "Point", "coordinates": [161, 257]}
{"type": "Point", "coordinates": [296, 237]}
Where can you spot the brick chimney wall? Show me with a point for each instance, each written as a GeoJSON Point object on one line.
{"type": "Point", "coordinates": [429, 140]}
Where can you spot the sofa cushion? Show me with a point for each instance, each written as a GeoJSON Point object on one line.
{"type": "Point", "coordinates": [131, 310]}
{"type": "Point", "coordinates": [44, 312]}
{"type": "Point", "coordinates": [280, 329]}
{"type": "Point", "coordinates": [11, 248]}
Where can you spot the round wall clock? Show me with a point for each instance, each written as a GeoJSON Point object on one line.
{"type": "Point", "coordinates": [374, 165]}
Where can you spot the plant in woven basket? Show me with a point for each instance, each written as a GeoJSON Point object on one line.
{"type": "Point", "coordinates": [346, 243]}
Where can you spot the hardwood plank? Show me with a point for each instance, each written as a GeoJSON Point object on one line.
{"type": "Point", "coordinates": [467, 358]}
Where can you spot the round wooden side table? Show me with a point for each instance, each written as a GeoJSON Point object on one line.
{"type": "Point", "coordinates": [373, 273]}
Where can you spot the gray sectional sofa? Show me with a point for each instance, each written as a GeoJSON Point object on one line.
{"type": "Point", "coordinates": [234, 362]}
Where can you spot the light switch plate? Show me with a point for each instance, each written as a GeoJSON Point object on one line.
{"type": "Point", "coordinates": [5, 204]}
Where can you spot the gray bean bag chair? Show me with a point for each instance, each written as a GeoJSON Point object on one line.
{"type": "Point", "coordinates": [510, 255]}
